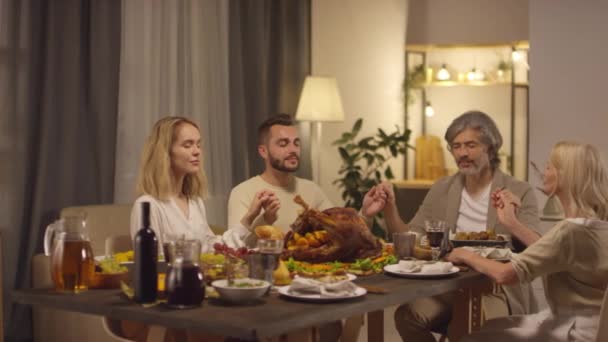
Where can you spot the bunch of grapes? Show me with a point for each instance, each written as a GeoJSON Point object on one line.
{"type": "Point", "coordinates": [240, 252]}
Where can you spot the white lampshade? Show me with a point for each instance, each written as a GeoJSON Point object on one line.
{"type": "Point", "coordinates": [320, 100]}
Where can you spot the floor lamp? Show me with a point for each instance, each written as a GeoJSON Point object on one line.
{"type": "Point", "coordinates": [319, 102]}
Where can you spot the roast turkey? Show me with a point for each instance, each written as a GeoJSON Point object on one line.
{"type": "Point", "coordinates": [335, 234]}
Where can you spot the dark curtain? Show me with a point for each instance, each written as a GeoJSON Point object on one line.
{"type": "Point", "coordinates": [269, 60]}
{"type": "Point", "coordinates": [61, 62]}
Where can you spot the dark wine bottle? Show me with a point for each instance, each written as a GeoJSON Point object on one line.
{"type": "Point", "coordinates": [145, 278]}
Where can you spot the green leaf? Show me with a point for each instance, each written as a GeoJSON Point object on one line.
{"type": "Point", "coordinates": [345, 156]}
{"type": "Point", "coordinates": [357, 126]}
{"type": "Point", "coordinates": [369, 158]}
{"type": "Point", "coordinates": [394, 151]}
{"type": "Point", "coordinates": [365, 142]}
{"type": "Point", "coordinates": [388, 173]}
{"type": "Point", "coordinates": [382, 133]}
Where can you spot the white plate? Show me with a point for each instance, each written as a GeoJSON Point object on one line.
{"type": "Point", "coordinates": [284, 290]}
{"type": "Point", "coordinates": [349, 276]}
{"type": "Point", "coordinates": [394, 269]}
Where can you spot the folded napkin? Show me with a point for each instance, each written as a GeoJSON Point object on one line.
{"type": "Point", "coordinates": [421, 266]}
{"type": "Point", "coordinates": [307, 286]}
{"type": "Point", "coordinates": [490, 252]}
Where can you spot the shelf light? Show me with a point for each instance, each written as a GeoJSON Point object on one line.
{"type": "Point", "coordinates": [475, 75]}
{"type": "Point", "coordinates": [443, 74]}
{"type": "Point", "coordinates": [428, 109]}
{"type": "Point", "coordinates": [516, 56]}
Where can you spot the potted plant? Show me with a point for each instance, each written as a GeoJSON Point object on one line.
{"type": "Point", "coordinates": [413, 80]}
{"type": "Point", "coordinates": [364, 163]}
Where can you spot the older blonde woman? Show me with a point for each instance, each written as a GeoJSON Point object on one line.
{"type": "Point", "coordinates": [572, 257]}
{"type": "Point", "coordinates": [172, 179]}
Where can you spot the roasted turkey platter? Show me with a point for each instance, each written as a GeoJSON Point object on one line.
{"type": "Point", "coordinates": [334, 234]}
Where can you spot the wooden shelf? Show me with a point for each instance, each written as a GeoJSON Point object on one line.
{"type": "Point", "coordinates": [471, 84]}
{"type": "Point", "coordinates": [518, 45]}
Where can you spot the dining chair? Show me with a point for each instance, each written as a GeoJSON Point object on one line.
{"type": "Point", "coordinates": [602, 332]}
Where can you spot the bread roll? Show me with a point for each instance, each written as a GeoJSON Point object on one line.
{"type": "Point", "coordinates": [268, 232]}
{"type": "Point", "coordinates": [422, 253]}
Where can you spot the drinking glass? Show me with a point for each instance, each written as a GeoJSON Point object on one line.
{"type": "Point", "coordinates": [184, 280]}
{"type": "Point", "coordinates": [270, 251]}
{"type": "Point", "coordinates": [435, 230]}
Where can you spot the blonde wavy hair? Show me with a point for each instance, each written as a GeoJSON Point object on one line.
{"type": "Point", "coordinates": [155, 172]}
{"type": "Point", "coordinates": [582, 177]}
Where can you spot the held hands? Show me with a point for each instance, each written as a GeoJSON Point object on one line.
{"type": "Point", "coordinates": [506, 204]}
{"type": "Point", "coordinates": [264, 199]}
{"type": "Point", "coordinates": [376, 199]}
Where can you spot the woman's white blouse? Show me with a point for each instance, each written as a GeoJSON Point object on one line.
{"type": "Point", "coordinates": [169, 222]}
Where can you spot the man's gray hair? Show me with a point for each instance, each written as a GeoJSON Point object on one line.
{"type": "Point", "coordinates": [483, 123]}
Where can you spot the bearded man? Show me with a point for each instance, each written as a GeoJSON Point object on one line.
{"type": "Point", "coordinates": [472, 200]}
{"type": "Point", "coordinates": [267, 199]}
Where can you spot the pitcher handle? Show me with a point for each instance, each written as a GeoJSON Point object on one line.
{"type": "Point", "coordinates": [49, 235]}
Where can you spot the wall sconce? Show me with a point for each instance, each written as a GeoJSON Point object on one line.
{"type": "Point", "coordinates": [319, 102]}
{"type": "Point", "coordinates": [443, 74]}
{"type": "Point", "coordinates": [428, 109]}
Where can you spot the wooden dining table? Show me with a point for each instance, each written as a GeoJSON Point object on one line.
{"type": "Point", "coordinates": [274, 315]}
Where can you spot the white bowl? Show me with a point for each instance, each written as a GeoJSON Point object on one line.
{"type": "Point", "coordinates": [239, 293]}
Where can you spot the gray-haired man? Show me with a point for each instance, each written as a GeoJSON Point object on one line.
{"type": "Point", "coordinates": [470, 200]}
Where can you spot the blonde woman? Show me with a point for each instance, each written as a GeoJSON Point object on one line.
{"type": "Point", "coordinates": [572, 257]}
{"type": "Point", "coordinates": [172, 179]}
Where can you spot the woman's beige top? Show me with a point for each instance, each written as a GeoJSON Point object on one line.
{"type": "Point", "coordinates": [573, 258]}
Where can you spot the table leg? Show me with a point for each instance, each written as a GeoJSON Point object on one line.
{"type": "Point", "coordinates": [467, 310]}
{"type": "Point", "coordinates": [375, 326]}
{"type": "Point", "coordinates": [156, 333]}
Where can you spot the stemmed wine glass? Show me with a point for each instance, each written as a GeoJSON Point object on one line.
{"type": "Point", "coordinates": [435, 229]}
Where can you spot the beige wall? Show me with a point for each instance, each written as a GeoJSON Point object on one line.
{"type": "Point", "coordinates": [569, 63]}
{"type": "Point", "coordinates": [361, 43]}
{"type": "Point", "coordinates": [467, 21]}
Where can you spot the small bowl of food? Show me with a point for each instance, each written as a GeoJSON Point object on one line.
{"type": "Point", "coordinates": [101, 280]}
{"type": "Point", "coordinates": [241, 290]}
{"type": "Point", "coordinates": [108, 274]}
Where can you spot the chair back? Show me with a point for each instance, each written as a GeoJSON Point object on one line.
{"type": "Point", "coordinates": [602, 331]}
{"type": "Point", "coordinates": [118, 244]}
{"type": "Point", "coordinates": [103, 221]}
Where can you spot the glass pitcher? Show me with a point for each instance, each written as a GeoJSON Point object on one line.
{"type": "Point", "coordinates": [184, 280]}
{"type": "Point", "coordinates": [72, 262]}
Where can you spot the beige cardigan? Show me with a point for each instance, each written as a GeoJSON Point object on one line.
{"type": "Point", "coordinates": [443, 201]}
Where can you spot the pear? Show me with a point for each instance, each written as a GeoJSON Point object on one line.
{"type": "Point", "coordinates": [281, 275]}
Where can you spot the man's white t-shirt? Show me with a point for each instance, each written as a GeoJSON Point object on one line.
{"type": "Point", "coordinates": [473, 212]}
{"type": "Point", "coordinates": [243, 194]}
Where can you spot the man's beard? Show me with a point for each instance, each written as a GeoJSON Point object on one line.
{"type": "Point", "coordinates": [279, 164]}
{"type": "Point", "coordinates": [476, 166]}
